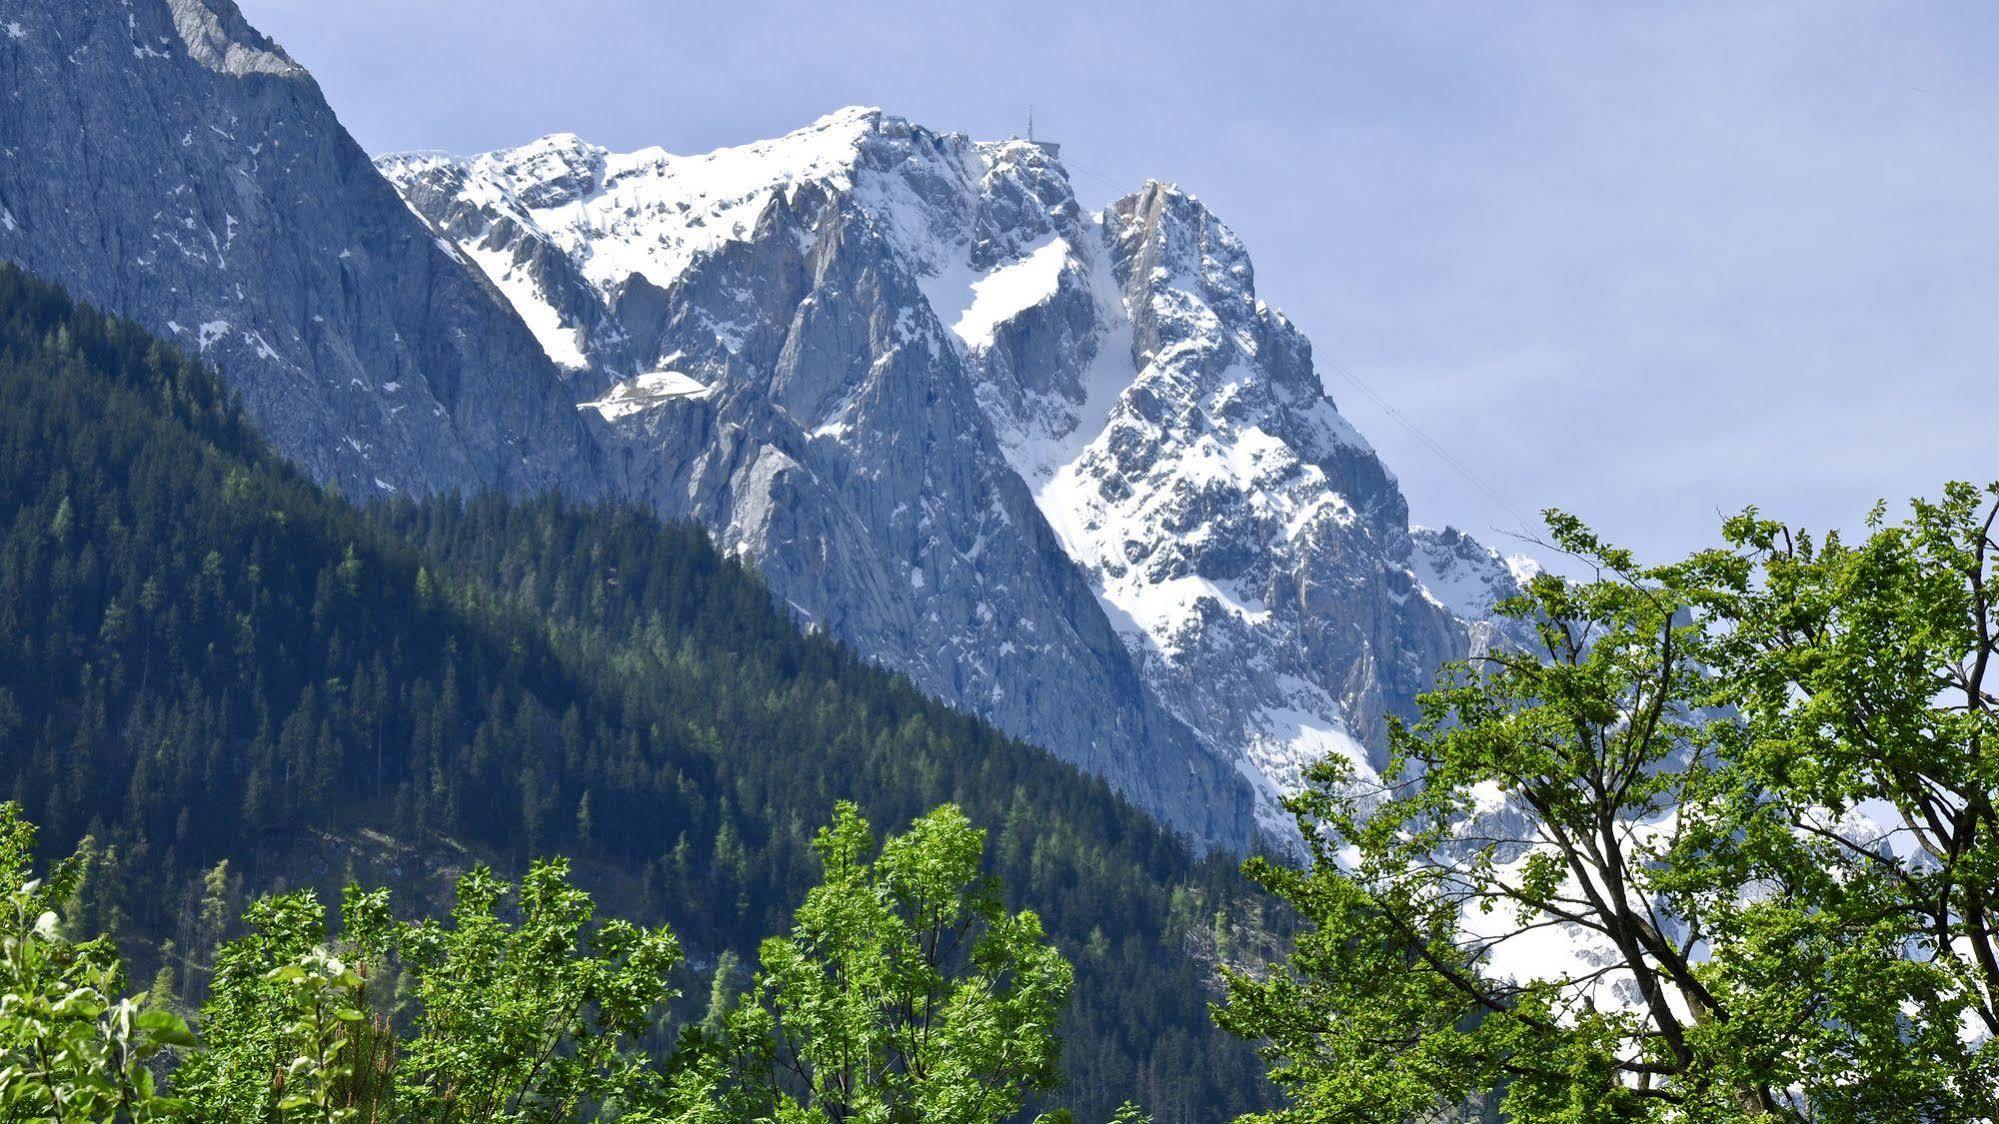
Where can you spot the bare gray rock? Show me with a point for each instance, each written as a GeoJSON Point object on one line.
{"type": "Point", "coordinates": [165, 161]}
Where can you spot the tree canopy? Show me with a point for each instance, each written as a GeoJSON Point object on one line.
{"type": "Point", "coordinates": [905, 992]}
{"type": "Point", "coordinates": [1719, 846]}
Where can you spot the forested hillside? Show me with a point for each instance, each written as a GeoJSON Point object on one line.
{"type": "Point", "coordinates": [204, 656]}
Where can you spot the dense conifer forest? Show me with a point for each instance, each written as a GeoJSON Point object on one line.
{"type": "Point", "coordinates": [205, 658]}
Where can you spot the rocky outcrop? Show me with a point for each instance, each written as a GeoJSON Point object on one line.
{"type": "Point", "coordinates": [162, 159]}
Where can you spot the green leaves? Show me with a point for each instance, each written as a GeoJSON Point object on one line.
{"type": "Point", "coordinates": [281, 1028]}
{"type": "Point", "coordinates": [318, 1080]}
{"type": "Point", "coordinates": [1720, 846]}
{"type": "Point", "coordinates": [1863, 678]}
{"type": "Point", "coordinates": [535, 1019]}
{"type": "Point", "coordinates": [904, 992]}
{"type": "Point", "coordinates": [71, 1048]}
{"type": "Point", "coordinates": [532, 1017]}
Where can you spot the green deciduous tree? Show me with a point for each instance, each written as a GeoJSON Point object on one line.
{"type": "Point", "coordinates": [531, 1017]}
{"type": "Point", "coordinates": [535, 1019]}
{"type": "Point", "coordinates": [1637, 870]}
{"type": "Point", "coordinates": [905, 991]}
{"type": "Point", "coordinates": [1864, 787]}
{"type": "Point", "coordinates": [289, 1031]}
{"type": "Point", "coordinates": [73, 1049]}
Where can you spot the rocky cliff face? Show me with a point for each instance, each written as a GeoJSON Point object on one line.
{"type": "Point", "coordinates": [163, 160]}
{"type": "Point", "coordinates": [1063, 468]}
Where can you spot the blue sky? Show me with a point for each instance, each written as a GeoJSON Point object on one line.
{"type": "Point", "coordinates": [1649, 262]}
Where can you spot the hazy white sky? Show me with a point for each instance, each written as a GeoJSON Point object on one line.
{"type": "Point", "coordinates": [1645, 261]}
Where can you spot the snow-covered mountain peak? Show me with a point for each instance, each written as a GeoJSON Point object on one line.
{"type": "Point", "coordinates": [630, 225]}
{"type": "Point", "coordinates": [1170, 236]}
{"type": "Point", "coordinates": [550, 171]}
{"type": "Point", "coordinates": [928, 337]}
{"type": "Point", "coordinates": [1064, 469]}
{"type": "Point", "coordinates": [649, 212]}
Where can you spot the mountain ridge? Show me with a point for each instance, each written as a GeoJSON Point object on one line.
{"type": "Point", "coordinates": [1105, 352]}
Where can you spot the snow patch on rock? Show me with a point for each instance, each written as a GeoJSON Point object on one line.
{"type": "Point", "coordinates": [1462, 576]}
{"type": "Point", "coordinates": [1010, 289]}
{"type": "Point", "coordinates": [645, 392]}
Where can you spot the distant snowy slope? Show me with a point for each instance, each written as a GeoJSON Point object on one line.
{"type": "Point", "coordinates": [1466, 577]}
